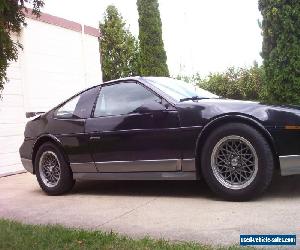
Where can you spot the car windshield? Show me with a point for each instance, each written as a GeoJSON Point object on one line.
{"type": "Point", "coordinates": [180, 90]}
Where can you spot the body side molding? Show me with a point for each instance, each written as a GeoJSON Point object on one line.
{"type": "Point", "coordinates": [170, 165]}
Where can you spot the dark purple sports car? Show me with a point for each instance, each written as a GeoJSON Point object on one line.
{"type": "Point", "coordinates": [155, 128]}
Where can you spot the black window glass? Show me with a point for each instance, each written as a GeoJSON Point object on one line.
{"type": "Point", "coordinates": [78, 107]}
{"type": "Point", "coordinates": [123, 98]}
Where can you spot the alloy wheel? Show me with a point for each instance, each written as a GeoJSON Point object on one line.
{"type": "Point", "coordinates": [49, 169]}
{"type": "Point", "coordinates": [234, 162]}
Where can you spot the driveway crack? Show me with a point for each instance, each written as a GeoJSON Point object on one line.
{"type": "Point", "coordinates": [128, 212]}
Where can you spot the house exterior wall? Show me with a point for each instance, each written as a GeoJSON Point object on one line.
{"type": "Point", "coordinates": [12, 118]}
{"type": "Point", "coordinates": [57, 62]}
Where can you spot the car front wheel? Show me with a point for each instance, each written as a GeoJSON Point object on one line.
{"type": "Point", "coordinates": [237, 162]}
{"type": "Point", "coordinates": [52, 171]}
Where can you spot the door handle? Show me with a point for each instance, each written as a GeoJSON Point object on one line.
{"type": "Point", "coordinates": [95, 137]}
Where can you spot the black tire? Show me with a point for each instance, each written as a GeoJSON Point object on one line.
{"type": "Point", "coordinates": [65, 182]}
{"type": "Point", "coordinates": [261, 178]}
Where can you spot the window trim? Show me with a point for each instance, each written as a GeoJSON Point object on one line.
{"type": "Point", "coordinates": [125, 81]}
{"type": "Point", "coordinates": [55, 109]}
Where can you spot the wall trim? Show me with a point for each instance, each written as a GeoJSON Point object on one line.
{"type": "Point", "coordinates": [91, 31]}
{"type": "Point", "coordinates": [61, 22]}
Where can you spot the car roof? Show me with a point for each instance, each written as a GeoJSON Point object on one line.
{"type": "Point", "coordinates": [142, 79]}
{"type": "Point", "coordinates": [133, 78]}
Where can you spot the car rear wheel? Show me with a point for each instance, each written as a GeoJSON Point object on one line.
{"type": "Point", "coordinates": [237, 162]}
{"type": "Point", "coordinates": [52, 171]}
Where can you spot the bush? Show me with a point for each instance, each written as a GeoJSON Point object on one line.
{"type": "Point", "coordinates": [234, 83]}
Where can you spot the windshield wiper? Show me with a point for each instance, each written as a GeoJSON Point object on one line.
{"type": "Point", "coordinates": [193, 98]}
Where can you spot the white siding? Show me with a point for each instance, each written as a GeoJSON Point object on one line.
{"type": "Point", "coordinates": [12, 119]}
{"type": "Point", "coordinates": [55, 64]}
{"type": "Point", "coordinates": [92, 61]}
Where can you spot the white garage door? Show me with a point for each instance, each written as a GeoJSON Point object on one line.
{"type": "Point", "coordinates": [12, 121]}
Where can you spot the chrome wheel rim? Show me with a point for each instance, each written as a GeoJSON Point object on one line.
{"type": "Point", "coordinates": [234, 162]}
{"type": "Point", "coordinates": [49, 168]}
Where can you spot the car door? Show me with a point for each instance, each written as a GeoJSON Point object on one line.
{"type": "Point", "coordinates": [68, 126]}
{"type": "Point", "coordinates": [133, 129]}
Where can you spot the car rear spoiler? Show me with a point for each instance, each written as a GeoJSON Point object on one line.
{"type": "Point", "coordinates": [32, 114]}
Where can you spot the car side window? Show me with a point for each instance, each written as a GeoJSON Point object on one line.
{"type": "Point", "coordinates": [79, 107]}
{"type": "Point", "coordinates": [123, 98]}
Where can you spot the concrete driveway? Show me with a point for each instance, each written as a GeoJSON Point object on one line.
{"type": "Point", "coordinates": [179, 210]}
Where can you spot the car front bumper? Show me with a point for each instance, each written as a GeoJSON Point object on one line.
{"type": "Point", "coordinates": [289, 164]}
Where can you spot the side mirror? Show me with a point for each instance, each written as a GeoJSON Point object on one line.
{"type": "Point", "coordinates": [156, 105]}
{"type": "Point", "coordinates": [151, 106]}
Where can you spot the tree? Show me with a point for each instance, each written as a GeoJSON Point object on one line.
{"type": "Point", "coordinates": [153, 58]}
{"type": "Point", "coordinates": [12, 19]}
{"type": "Point", "coordinates": [119, 48]}
{"type": "Point", "coordinates": [281, 49]}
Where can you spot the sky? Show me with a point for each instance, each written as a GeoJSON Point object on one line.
{"type": "Point", "coordinates": [199, 35]}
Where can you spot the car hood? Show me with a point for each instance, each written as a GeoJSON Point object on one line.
{"type": "Point", "coordinates": [273, 115]}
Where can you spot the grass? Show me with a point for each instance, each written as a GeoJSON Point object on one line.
{"type": "Point", "coordinates": [14, 235]}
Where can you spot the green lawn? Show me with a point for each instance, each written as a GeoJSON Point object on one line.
{"type": "Point", "coordinates": [15, 235]}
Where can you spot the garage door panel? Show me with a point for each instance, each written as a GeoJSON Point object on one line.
{"type": "Point", "coordinates": [14, 71]}
{"type": "Point", "coordinates": [5, 170]}
{"type": "Point", "coordinates": [13, 86]}
{"type": "Point", "coordinates": [63, 63]}
{"type": "Point", "coordinates": [12, 129]}
{"type": "Point", "coordinates": [12, 144]}
{"type": "Point", "coordinates": [12, 115]}
{"type": "Point", "coordinates": [10, 162]}
{"type": "Point", "coordinates": [12, 100]}
{"type": "Point", "coordinates": [9, 159]}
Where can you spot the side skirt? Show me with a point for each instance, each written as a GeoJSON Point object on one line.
{"type": "Point", "coordinates": [137, 176]}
